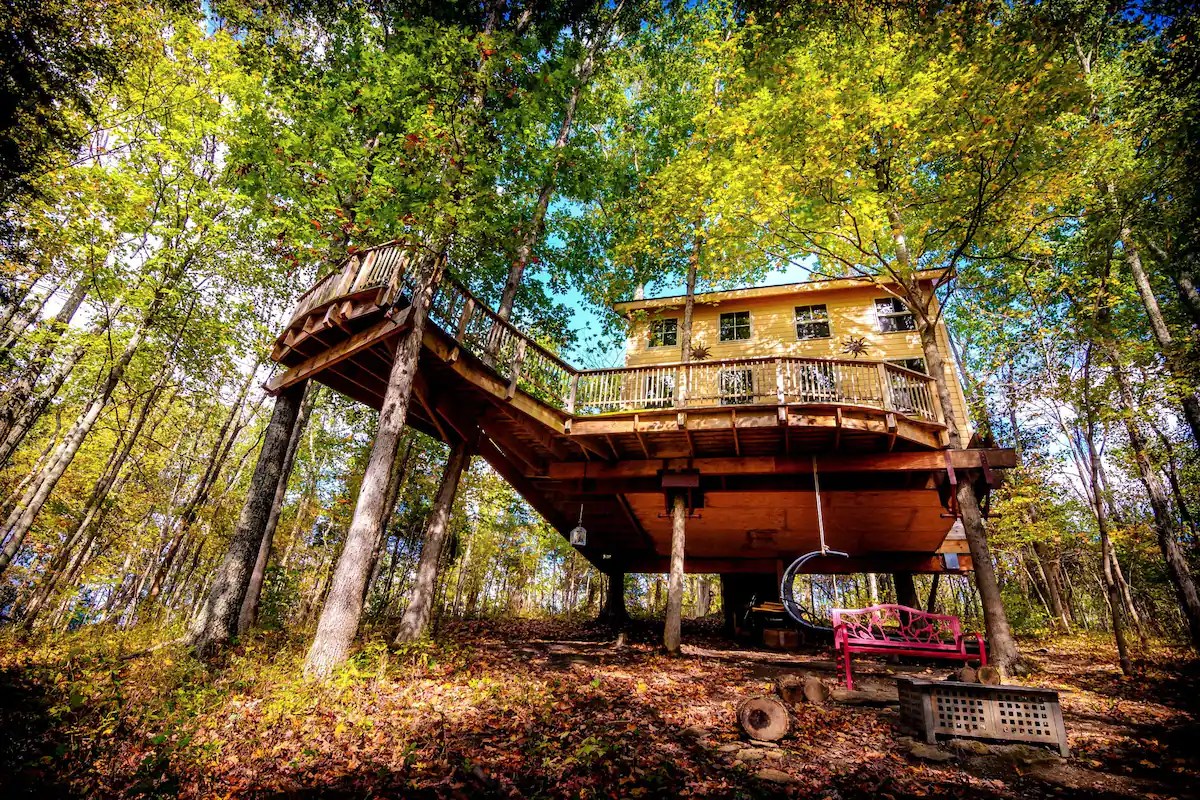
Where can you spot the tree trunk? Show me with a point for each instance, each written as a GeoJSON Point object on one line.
{"type": "Point", "coordinates": [873, 588]}
{"type": "Point", "coordinates": [20, 521]}
{"type": "Point", "coordinates": [395, 482]}
{"type": "Point", "coordinates": [415, 621]}
{"type": "Point", "coordinates": [703, 596]}
{"type": "Point", "coordinates": [342, 612]}
{"type": "Point", "coordinates": [249, 611]}
{"type": "Point", "coordinates": [1003, 647]}
{"type": "Point", "coordinates": [19, 393]}
{"type": "Point", "coordinates": [675, 580]}
{"type": "Point", "coordinates": [88, 526]}
{"type": "Point", "coordinates": [216, 625]}
{"type": "Point", "coordinates": [1164, 521]}
{"type": "Point", "coordinates": [1049, 567]}
{"type": "Point", "coordinates": [614, 611]}
{"type": "Point", "coordinates": [1106, 552]}
{"type": "Point", "coordinates": [24, 418]}
{"type": "Point", "coordinates": [583, 72]}
{"type": "Point", "coordinates": [906, 590]}
{"type": "Point", "coordinates": [1158, 324]}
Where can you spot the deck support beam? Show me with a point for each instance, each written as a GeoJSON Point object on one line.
{"type": "Point", "coordinates": [671, 631]}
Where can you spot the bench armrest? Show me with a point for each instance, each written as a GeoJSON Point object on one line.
{"type": "Point", "coordinates": [982, 649]}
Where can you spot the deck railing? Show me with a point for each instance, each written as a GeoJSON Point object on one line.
{"type": "Point", "coordinates": [530, 367]}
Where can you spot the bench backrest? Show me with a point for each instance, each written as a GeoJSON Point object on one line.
{"type": "Point", "coordinates": [896, 624]}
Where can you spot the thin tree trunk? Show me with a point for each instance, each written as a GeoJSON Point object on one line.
{"type": "Point", "coordinates": [420, 605]}
{"type": "Point", "coordinates": [1106, 551]}
{"type": "Point", "coordinates": [1158, 325]}
{"type": "Point", "coordinates": [24, 418]}
{"type": "Point", "coordinates": [217, 624]}
{"type": "Point", "coordinates": [671, 628]}
{"type": "Point", "coordinates": [1164, 522]}
{"type": "Point", "coordinates": [249, 611]}
{"type": "Point", "coordinates": [18, 395]}
{"type": "Point", "coordinates": [20, 521]}
{"type": "Point", "coordinates": [533, 231]}
{"type": "Point", "coordinates": [88, 526]}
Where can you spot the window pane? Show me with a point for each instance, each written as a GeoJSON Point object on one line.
{"type": "Point", "coordinates": [893, 315]}
{"type": "Point", "coordinates": [664, 333]}
{"type": "Point", "coordinates": [812, 322]}
{"type": "Point", "coordinates": [735, 326]}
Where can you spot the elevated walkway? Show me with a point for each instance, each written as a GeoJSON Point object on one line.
{"type": "Point", "coordinates": [738, 435]}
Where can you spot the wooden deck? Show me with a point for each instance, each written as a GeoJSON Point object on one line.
{"type": "Point", "coordinates": [740, 434]}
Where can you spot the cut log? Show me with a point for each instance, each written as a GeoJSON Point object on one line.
{"type": "Point", "coordinates": [790, 688]}
{"type": "Point", "coordinates": [966, 674]}
{"type": "Point", "coordinates": [988, 675]}
{"type": "Point", "coordinates": [763, 718]}
{"type": "Point", "coordinates": [815, 690]}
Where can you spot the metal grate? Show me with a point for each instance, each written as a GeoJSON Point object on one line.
{"type": "Point", "coordinates": [1008, 713]}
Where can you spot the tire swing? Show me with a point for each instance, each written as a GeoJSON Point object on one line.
{"type": "Point", "coordinates": [802, 615]}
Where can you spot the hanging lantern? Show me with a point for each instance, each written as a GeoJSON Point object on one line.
{"type": "Point", "coordinates": [578, 535]}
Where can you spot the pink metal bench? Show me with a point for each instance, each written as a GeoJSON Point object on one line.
{"type": "Point", "coordinates": [896, 630]}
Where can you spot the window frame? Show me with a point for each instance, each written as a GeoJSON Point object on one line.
{"type": "Point", "coordinates": [650, 345]}
{"type": "Point", "coordinates": [894, 315]}
{"type": "Point", "coordinates": [797, 322]}
{"type": "Point", "coordinates": [899, 362]}
{"type": "Point", "coordinates": [749, 327]}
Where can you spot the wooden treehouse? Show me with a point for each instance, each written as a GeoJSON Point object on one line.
{"type": "Point", "coordinates": [738, 434]}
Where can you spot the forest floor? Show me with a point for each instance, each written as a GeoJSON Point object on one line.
{"type": "Point", "coordinates": [550, 709]}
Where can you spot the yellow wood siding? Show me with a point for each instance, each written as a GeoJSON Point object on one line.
{"type": "Point", "coordinates": [773, 333]}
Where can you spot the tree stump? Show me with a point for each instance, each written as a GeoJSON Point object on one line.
{"type": "Point", "coordinates": [763, 718]}
{"type": "Point", "coordinates": [988, 675]}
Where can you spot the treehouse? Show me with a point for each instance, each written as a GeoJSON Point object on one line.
{"type": "Point", "coordinates": [786, 387]}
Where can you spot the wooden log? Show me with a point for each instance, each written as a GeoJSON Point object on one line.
{"type": "Point", "coordinates": [988, 675]}
{"type": "Point", "coordinates": [815, 690]}
{"type": "Point", "coordinates": [790, 688]}
{"type": "Point", "coordinates": [763, 718]}
{"type": "Point", "coordinates": [965, 674]}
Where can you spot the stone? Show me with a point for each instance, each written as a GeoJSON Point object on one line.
{"type": "Point", "coordinates": [929, 752]}
{"type": "Point", "coordinates": [774, 755]}
{"type": "Point", "coordinates": [695, 732]}
{"type": "Point", "coordinates": [1025, 755]}
{"type": "Point", "coordinates": [749, 754]}
{"type": "Point", "coordinates": [729, 748]}
{"type": "Point", "coordinates": [767, 745]}
{"type": "Point", "coordinates": [970, 746]}
{"type": "Point", "coordinates": [774, 776]}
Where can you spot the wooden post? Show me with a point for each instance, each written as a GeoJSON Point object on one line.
{"type": "Point", "coordinates": [885, 393]}
{"type": "Point", "coordinates": [518, 359]}
{"type": "Point", "coordinates": [573, 392]}
{"type": "Point", "coordinates": [671, 634]}
{"type": "Point", "coordinates": [464, 318]}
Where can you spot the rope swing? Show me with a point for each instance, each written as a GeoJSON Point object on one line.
{"type": "Point", "coordinates": [797, 612]}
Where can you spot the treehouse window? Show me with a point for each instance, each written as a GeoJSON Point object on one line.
{"type": "Point", "coordinates": [735, 326]}
{"type": "Point", "coordinates": [664, 332]}
{"type": "Point", "coordinates": [812, 322]}
{"type": "Point", "coordinates": [893, 315]}
{"type": "Point", "coordinates": [915, 364]}
{"type": "Point", "coordinates": [737, 386]}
